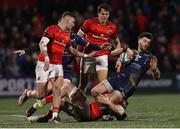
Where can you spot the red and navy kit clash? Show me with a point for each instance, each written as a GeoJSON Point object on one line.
{"type": "Point", "coordinates": [59, 39]}
{"type": "Point", "coordinates": [99, 34]}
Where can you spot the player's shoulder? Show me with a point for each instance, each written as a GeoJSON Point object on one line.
{"type": "Point", "coordinates": [51, 27]}
{"type": "Point", "coordinates": [110, 23]}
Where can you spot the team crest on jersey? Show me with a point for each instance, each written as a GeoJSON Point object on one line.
{"type": "Point", "coordinates": [137, 57]}
{"type": "Point", "coordinates": [109, 32]}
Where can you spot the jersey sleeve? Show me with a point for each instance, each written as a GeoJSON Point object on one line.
{"type": "Point", "coordinates": [86, 26]}
{"type": "Point", "coordinates": [49, 32]}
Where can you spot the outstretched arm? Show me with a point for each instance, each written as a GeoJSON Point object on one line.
{"type": "Point", "coordinates": [27, 50]}
{"type": "Point", "coordinates": [80, 54]}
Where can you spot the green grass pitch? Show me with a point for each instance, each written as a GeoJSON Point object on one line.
{"type": "Point", "coordinates": [145, 111]}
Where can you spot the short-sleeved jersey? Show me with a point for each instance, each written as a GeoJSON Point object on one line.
{"type": "Point", "coordinates": [59, 39]}
{"type": "Point", "coordinates": [99, 34]}
{"type": "Point", "coordinates": [137, 67]}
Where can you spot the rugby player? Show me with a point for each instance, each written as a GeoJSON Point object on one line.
{"type": "Point", "coordinates": [99, 31]}
{"type": "Point", "coordinates": [49, 66]}
{"type": "Point", "coordinates": [87, 112]}
{"type": "Point", "coordinates": [125, 83]}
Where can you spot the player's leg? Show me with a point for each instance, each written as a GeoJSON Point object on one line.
{"type": "Point", "coordinates": [115, 98]}
{"type": "Point", "coordinates": [41, 85]}
{"type": "Point", "coordinates": [67, 82]}
{"type": "Point", "coordinates": [102, 67]}
{"type": "Point", "coordinates": [101, 88]}
{"type": "Point", "coordinates": [83, 75]}
{"type": "Point", "coordinates": [56, 89]}
{"type": "Point", "coordinates": [65, 90]}
{"type": "Point", "coordinates": [56, 78]}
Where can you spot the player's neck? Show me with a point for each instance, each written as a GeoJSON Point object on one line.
{"type": "Point", "coordinates": [102, 22]}
{"type": "Point", "coordinates": [147, 51]}
{"type": "Point", "coordinates": [62, 26]}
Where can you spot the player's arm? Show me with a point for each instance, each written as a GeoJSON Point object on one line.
{"type": "Point", "coordinates": [77, 53]}
{"type": "Point", "coordinates": [118, 51]}
{"type": "Point", "coordinates": [80, 33]}
{"type": "Point", "coordinates": [27, 50]}
{"type": "Point", "coordinates": [117, 42]}
{"type": "Point", "coordinates": [117, 108]}
{"type": "Point", "coordinates": [118, 46]}
{"type": "Point", "coordinates": [154, 68]}
{"type": "Point", "coordinates": [43, 47]}
{"type": "Point", "coordinates": [82, 42]}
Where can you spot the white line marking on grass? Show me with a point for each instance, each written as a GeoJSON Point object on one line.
{"type": "Point", "coordinates": [14, 116]}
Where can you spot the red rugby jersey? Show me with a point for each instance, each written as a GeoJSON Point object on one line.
{"type": "Point", "coordinates": [99, 34]}
{"type": "Point", "coordinates": [59, 39]}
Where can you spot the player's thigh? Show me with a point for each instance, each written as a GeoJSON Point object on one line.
{"type": "Point", "coordinates": [41, 79]}
{"type": "Point", "coordinates": [102, 67]}
{"type": "Point", "coordinates": [57, 82]}
{"type": "Point", "coordinates": [115, 97]}
{"type": "Point", "coordinates": [56, 75]}
{"type": "Point", "coordinates": [99, 89]}
{"type": "Point", "coordinates": [41, 75]}
{"type": "Point", "coordinates": [102, 75]}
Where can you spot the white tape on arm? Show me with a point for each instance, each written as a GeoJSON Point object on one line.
{"type": "Point", "coordinates": [43, 43]}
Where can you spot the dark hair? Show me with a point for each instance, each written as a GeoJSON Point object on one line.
{"type": "Point", "coordinates": [67, 13]}
{"type": "Point", "coordinates": [146, 34]}
{"type": "Point", "coordinates": [104, 6]}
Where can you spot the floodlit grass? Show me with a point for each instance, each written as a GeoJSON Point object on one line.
{"type": "Point", "coordinates": [156, 110]}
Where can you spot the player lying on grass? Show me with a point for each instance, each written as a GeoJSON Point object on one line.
{"type": "Point", "coordinates": [79, 109]}
{"type": "Point", "coordinates": [124, 84]}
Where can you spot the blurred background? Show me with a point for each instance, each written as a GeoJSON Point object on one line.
{"type": "Point", "coordinates": [22, 23]}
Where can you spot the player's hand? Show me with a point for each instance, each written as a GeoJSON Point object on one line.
{"type": "Point", "coordinates": [19, 52]}
{"type": "Point", "coordinates": [46, 63]}
{"type": "Point", "coordinates": [153, 63]}
{"type": "Point", "coordinates": [106, 46]}
{"type": "Point", "coordinates": [103, 99]}
{"type": "Point", "coordinates": [130, 53]}
{"type": "Point", "coordinates": [118, 66]}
